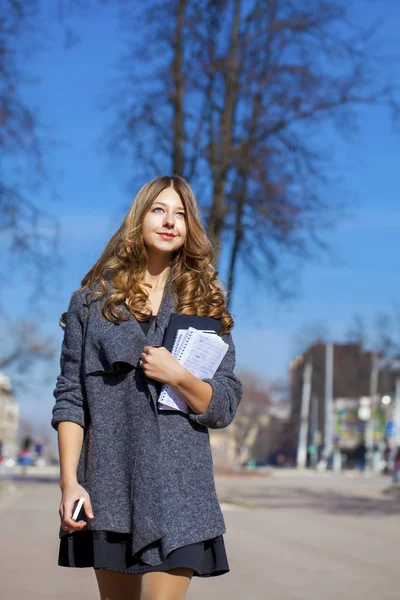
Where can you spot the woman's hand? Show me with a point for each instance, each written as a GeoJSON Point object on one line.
{"type": "Point", "coordinates": [71, 493]}
{"type": "Point", "coordinates": [159, 364]}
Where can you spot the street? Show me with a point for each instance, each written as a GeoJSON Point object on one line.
{"type": "Point", "coordinates": [291, 535]}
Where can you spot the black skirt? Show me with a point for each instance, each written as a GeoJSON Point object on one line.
{"type": "Point", "coordinates": [111, 550]}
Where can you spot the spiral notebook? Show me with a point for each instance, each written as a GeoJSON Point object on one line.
{"type": "Point", "coordinates": [179, 321]}
{"type": "Point", "coordinates": [200, 352]}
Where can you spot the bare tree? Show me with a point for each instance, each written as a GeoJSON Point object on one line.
{"type": "Point", "coordinates": [387, 332]}
{"type": "Point", "coordinates": [382, 334]}
{"type": "Point", "coordinates": [28, 235]}
{"type": "Point", "coordinates": [24, 346]}
{"type": "Point", "coordinates": [313, 332]}
{"type": "Point", "coordinates": [357, 332]}
{"type": "Point", "coordinates": [233, 96]}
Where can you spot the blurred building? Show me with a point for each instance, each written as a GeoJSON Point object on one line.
{"type": "Point", "coordinates": [352, 373]}
{"type": "Point", "coordinates": [269, 441]}
{"type": "Point", "coordinates": [255, 435]}
{"type": "Point", "coordinates": [9, 418]}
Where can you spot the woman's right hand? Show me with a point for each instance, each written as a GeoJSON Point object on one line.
{"type": "Point", "coordinates": [71, 493]}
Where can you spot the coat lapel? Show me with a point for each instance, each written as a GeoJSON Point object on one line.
{"type": "Point", "coordinates": [109, 345]}
{"type": "Point", "coordinates": [156, 331]}
{"type": "Point", "coordinates": [147, 531]}
{"type": "Point", "coordinates": [123, 342]}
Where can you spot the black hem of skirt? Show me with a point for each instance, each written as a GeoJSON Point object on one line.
{"type": "Point", "coordinates": [110, 551]}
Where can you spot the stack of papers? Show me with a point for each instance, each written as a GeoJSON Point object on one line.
{"type": "Point", "coordinates": [200, 352]}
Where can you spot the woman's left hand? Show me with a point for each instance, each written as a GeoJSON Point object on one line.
{"type": "Point", "coordinates": [159, 364]}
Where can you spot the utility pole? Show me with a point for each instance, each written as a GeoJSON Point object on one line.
{"type": "Point", "coordinates": [315, 431]}
{"type": "Point", "coordinates": [314, 418]}
{"type": "Point", "coordinates": [304, 416]}
{"type": "Point", "coordinates": [396, 412]}
{"type": "Point", "coordinates": [328, 429]}
{"type": "Point", "coordinates": [373, 393]}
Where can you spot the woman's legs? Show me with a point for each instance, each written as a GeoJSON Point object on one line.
{"type": "Point", "coordinates": [168, 585]}
{"type": "Point", "coordinates": [118, 586]}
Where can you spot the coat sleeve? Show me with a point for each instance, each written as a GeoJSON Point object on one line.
{"type": "Point", "coordinates": [69, 393]}
{"type": "Point", "coordinates": [227, 392]}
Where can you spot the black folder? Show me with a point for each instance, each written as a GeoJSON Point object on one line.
{"type": "Point", "coordinates": [177, 321]}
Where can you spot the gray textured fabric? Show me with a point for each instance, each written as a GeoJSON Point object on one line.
{"type": "Point", "coordinates": [148, 472]}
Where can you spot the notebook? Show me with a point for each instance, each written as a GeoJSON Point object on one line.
{"type": "Point", "coordinates": [201, 353]}
{"type": "Point", "coordinates": [178, 321]}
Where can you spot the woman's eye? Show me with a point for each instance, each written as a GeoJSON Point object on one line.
{"type": "Point", "coordinates": [159, 208]}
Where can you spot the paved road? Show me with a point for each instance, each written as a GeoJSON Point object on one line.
{"type": "Point", "coordinates": [290, 537]}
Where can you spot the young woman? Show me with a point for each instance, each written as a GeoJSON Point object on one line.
{"type": "Point", "coordinates": [151, 515]}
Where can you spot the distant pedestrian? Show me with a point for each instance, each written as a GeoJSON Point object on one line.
{"type": "Point", "coordinates": [386, 457]}
{"type": "Point", "coordinates": [360, 456]}
{"type": "Point", "coordinates": [281, 459]}
{"type": "Point", "coordinates": [376, 461]}
{"type": "Point", "coordinates": [396, 467]}
{"type": "Point", "coordinates": [151, 514]}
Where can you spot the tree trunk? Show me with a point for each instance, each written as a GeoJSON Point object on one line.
{"type": "Point", "coordinates": [216, 221]}
{"type": "Point", "coordinates": [241, 201]}
{"type": "Point", "coordinates": [221, 157]}
{"type": "Point", "coordinates": [177, 95]}
{"type": "Point", "coordinates": [237, 240]}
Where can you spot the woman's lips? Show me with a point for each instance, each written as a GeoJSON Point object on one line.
{"type": "Point", "coordinates": [166, 236]}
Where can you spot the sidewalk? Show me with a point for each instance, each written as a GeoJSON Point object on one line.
{"type": "Point", "coordinates": [264, 488]}
{"type": "Point", "coordinates": [304, 540]}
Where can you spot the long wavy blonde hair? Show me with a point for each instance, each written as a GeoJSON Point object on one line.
{"type": "Point", "coordinates": [118, 274]}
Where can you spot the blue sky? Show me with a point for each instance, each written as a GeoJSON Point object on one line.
{"type": "Point", "coordinates": [362, 279]}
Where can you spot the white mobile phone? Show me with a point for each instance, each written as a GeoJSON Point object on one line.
{"type": "Point", "coordinates": [77, 508]}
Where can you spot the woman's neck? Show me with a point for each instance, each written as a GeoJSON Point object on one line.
{"type": "Point", "coordinates": [159, 266]}
{"type": "Point", "coordinates": [157, 276]}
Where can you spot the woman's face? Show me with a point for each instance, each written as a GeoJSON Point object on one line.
{"type": "Point", "coordinates": [166, 216]}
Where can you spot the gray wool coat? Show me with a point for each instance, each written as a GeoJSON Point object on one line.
{"type": "Point", "coordinates": [148, 472]}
